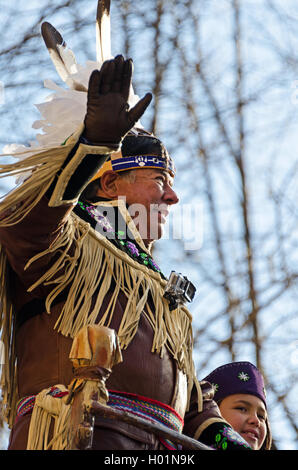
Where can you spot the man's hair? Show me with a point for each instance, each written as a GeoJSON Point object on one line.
{"type": "Point", "coordinates": [90, 192]}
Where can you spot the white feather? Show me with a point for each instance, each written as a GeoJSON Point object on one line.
{"type": "Point", "coordinates": [62, 113]}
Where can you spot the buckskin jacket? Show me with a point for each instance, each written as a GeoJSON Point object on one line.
{"type": "Point", "coordinates": [60, 272]}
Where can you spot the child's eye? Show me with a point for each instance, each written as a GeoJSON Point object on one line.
{"type": "Point", "coordinates": [241, 408]}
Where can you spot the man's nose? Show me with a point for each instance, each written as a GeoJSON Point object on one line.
{"type": "Point", "coordinates": [170, 196]}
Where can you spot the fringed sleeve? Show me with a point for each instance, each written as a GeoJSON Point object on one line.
{"type": "Point", "coordinates": [34, 219]}
{"type": "Point", "coordinates": [34, 214]}
{"type": "Point", "coordinates": [53, 251]}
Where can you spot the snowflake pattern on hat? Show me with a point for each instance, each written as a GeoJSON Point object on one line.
{"type": "Point", "coordinates": [243, 376]}
{"type": "Point", "coordinates": [237, 377]}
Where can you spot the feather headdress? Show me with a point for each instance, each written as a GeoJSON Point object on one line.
{"type": "Point", "coordinates": [63, 111]}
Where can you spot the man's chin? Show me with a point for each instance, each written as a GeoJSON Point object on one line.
{"type": "Point", "coordinates": [154, 235]}
{"type": "Point", "coordinates": [158, 232]}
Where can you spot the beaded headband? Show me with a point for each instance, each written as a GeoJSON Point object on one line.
{"type": "Point", "coordinates": [141, 150]}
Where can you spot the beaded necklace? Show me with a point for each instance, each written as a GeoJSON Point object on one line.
{"type": "Point", "coordinates": [119, 236]}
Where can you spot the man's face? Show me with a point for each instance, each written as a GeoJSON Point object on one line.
{"type": "Point", "coordinates": [149, 195]}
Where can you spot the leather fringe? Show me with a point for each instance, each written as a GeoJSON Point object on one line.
{"type": "Point", "coordinates": [47, 410]}
{"type": "Point", "coordinates": [90, 263]}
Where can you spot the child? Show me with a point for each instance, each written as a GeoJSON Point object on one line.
{"type": "Point", "coordinates": [241, 397]}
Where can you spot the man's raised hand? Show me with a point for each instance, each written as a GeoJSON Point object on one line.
{"type": "Point", "coordinates": [108, 117]}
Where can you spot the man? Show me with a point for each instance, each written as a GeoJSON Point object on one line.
{"type": "Point", "coordinates": [71, 255]}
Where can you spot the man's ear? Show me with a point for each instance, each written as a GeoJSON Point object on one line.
{"type": "Point", "coordinates": [109, 188]}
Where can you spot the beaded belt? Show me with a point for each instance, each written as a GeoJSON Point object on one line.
{"type": "Point", "coordinates": [149, 409]}
{"type": "Point", "coordinates": [144, 407]}
{"type": "Point", "coordinates": [25, 405]}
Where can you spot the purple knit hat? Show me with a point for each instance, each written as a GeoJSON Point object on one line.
{"type": "Point", "coordinates": [237, 377]}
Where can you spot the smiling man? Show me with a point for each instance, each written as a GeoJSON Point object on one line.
{"type": "Point", "coordinates": [72, 253]}
{"type": "Point", "coordinates": [148, 195]}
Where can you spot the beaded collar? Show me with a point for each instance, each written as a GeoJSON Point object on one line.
{"type": "Point", "coordinates": [130, 247]}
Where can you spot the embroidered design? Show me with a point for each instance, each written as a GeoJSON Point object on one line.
{"type": "Point", "coordinates": [129, 247]}
{"type": "Point", "coordinates": [100, 219]}
{"type": "Point", "coordinates": [243, 376]}
{"type": "Point", "coordinates": [215, 387]}
{"type": "Point", "coordinates": [141, 161]}
{"type": "Point", "coordinates": [149, 409]}
{"type": "Point", "coordinates": [26, 404]}
{"type": "Point", "coordinates": [150, 161]}
{"type": "Point", "coordinates": [228, 436]}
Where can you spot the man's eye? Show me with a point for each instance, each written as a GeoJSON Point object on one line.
{"type": "Point", "coordinates": [160, 179]}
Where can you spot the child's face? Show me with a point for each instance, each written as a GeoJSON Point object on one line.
{"type": "Point", "coordinates": [247, 415]}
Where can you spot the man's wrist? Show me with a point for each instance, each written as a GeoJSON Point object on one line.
{"type": "Point", "coordinates": [112, 146]}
